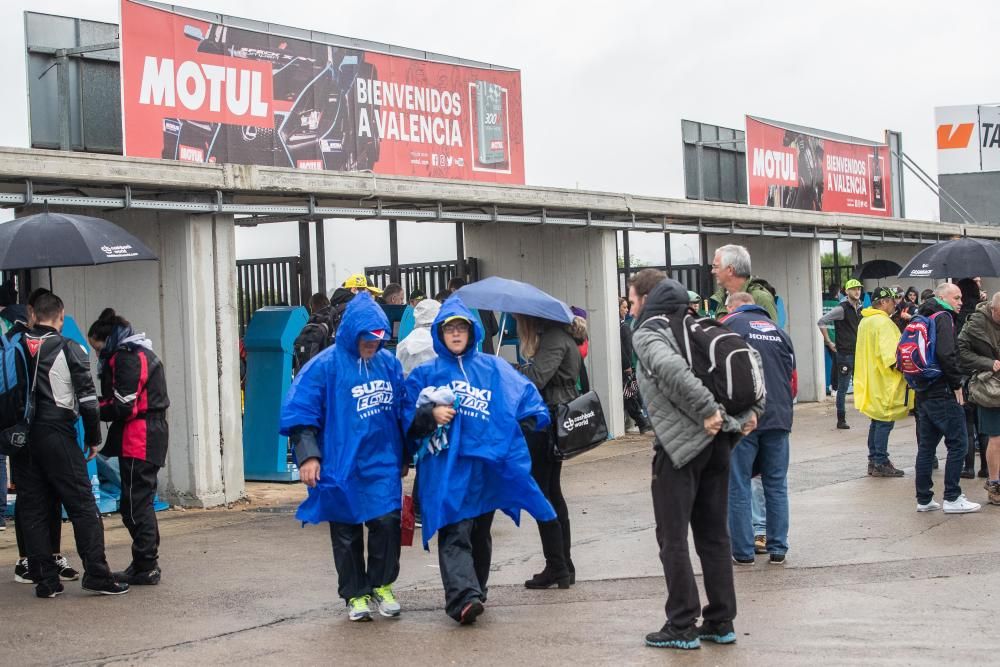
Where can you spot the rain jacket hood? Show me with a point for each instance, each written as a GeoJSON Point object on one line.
{"type": "Point", "coordinates": [418, 346]}
{"type": "Point", "coordinates": [486, 465]}
{"type": "Point", "coordinates": [880, 392]}
{"type": "Point", "coordinates": [354, 405]}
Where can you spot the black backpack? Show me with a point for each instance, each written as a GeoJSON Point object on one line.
{"type": "Point", "coordinates": [313, 339]}
{"type": "Point", "coordinates": [720, 358]}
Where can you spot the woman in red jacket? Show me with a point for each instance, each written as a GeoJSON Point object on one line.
{"type": "Point", "coordinates": [134, 400]}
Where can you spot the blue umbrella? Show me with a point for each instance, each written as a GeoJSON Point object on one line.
{"type": "Point", "coordinates": [511, 296]}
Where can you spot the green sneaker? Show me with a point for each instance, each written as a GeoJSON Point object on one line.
{"type": "Point", "coordinates": [386, 601]}
{"type": "Point", "coordinates": [357, 609]}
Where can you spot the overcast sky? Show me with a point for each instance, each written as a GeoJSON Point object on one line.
{"type": "Point", "coordinates": [605, 84]}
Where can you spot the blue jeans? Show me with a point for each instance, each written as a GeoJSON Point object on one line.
{"type": "Point", "coordinates": [770, 448]}
{"type": "Point", "coordinates": [758, 507]}
{"type": "Point", "coordinates": [878, 441]}
{"type": "Point", "coordinates": [845, 366]}
{"type": "Point", "coordinates": [940, 416]}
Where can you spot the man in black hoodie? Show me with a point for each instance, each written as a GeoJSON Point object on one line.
{"type": "Point", "coordinates": [63, 390]}
{"type": "Point", "coordinates": [939, 408]}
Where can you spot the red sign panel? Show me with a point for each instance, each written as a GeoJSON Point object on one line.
{"type": "Point", "coordinates": [789, 168]}
{"type": "Point", "coordinates": [204, 92]}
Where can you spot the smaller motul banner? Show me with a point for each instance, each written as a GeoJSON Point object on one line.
{"type": "Point", "coordinates": [207, 92]}
{"type": "Point", "coordinates": [968, 139]}
{"type": "Point", "coordinates": [788, 167]}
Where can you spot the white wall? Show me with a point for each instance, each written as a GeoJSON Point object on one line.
{"type": "Point", "coordinates": [792, 266]}
{"type": "Point", "coordinates": [576, 266]}
{"type": "Point", "coordinates": [186, 304]}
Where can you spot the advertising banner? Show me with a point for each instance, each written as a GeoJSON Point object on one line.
{"type": "Point", "coordinates": [790, 167]}
{"type": "Point", "coordinates": [202, 92]}
{"type": "Point", "coordinates": [968, 138]}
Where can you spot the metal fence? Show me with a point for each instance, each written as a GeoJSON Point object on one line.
{"type": "Point", "coordinates": [266, 282]}
{"type": "Point", "coordinates": [693, 276]}
{"type": "Point", "coordinates": [431, 277]}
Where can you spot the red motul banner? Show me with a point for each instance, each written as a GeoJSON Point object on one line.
{"type": "Point", "coordinates": [790, 168]}
{"type": "Point", "coordinates": [203, 92]}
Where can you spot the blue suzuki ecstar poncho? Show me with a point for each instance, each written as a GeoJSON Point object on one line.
{"type": "Point", "coordinates": [486, 465]}
{"type": "Point", "coordinates": [355, 405]}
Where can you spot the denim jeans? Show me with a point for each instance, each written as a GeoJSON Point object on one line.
{"type": "Point", "coordinates": [940, 416]}
{"type": "Point", "coordinates": [845, 366]}
{"type": "Point", "coordinates": [758, 507]}
{"type": "Point", "coordinates": [878, 441]}
{"type": "Point", "coordinates": [770, 448]}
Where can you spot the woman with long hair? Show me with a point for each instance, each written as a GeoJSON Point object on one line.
{"type": "Point", "coordinates": [553, 364]}
{"type": "Point", "coordinates": [133, 397]}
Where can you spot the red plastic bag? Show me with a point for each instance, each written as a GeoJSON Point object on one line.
{"type": "Point", "coordinates": [408, 521]}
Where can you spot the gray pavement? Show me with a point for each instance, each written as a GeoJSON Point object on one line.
{"type": "Point", "coordinates": [868, 580]}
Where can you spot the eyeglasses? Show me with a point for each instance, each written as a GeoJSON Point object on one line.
{"type": "Point", "coordinates": [457, 327]}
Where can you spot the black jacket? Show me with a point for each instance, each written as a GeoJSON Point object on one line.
{"type": "Point", "coordinates": [134, 399]}
{"type": "Point", "coordinates": [625, 331]}
{"type": "Point", "coordinates": [555, 368]}
{"type": "Point", "coordinates": [64, 388]}
{"type": "Point", "coordinates": [946, 351]}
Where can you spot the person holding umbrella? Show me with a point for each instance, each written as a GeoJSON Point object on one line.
{"type": "Point", "coordinates": [553, 365]}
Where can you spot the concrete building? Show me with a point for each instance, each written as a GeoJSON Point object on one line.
{"type": "Point", "coordinates": [561, 240]}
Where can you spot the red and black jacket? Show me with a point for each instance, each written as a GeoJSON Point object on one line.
{"type": "Point", "coordinates": [134, 399]}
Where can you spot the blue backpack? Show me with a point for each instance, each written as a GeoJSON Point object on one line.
{"type": "Point", "coordinates": [916, 356]}
{"type": "Point", "coordinates": [13, 381]}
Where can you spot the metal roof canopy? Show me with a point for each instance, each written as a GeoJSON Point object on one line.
{"type": "Point", "coordinates": [273, 194]}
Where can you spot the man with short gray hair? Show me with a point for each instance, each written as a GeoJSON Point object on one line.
{"type": "Point", "coordinates": [731, 268]}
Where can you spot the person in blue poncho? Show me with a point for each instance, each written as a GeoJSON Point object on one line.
{"type": "Point", "coordinates": [467, 410]}
{"type": "Point", "coordinates": [343, 417]}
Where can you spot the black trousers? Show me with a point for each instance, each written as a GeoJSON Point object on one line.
{"type": "Point", "coordinates": [138, 515]}
{"type": "Point", "coordinates": [356, 578]}
{"type": "Point", "coordinates": [547, 473]}
{"type": "Point", "coordinates": [697, 495]}
{"type": "Point", "coordinates": [55, 513]}
{"type": "Point", "coordinates": [465, 550]}
{"type": "Point", "coordinates": [55, 468]}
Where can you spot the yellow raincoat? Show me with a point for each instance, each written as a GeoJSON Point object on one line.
{"type": "Point", "coordinates": [880, 391]}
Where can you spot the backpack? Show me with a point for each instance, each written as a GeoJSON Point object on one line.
{"type": "Point", "coordinates": [16, 407]}
{"type": "Point", "coordinates": [916, 356]}
{"type": "Point", "coordinates": [721, 359]}
{"type": "Point", "coordinates": [313, 339]}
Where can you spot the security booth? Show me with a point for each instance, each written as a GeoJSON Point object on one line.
{"type": "Point", "coordinates": [267, 456]}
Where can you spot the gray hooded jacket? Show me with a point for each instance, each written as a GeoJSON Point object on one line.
{"type": "Point", "coordinates": [677, 401]}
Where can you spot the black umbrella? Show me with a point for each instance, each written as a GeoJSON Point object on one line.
{"type": "Point", "coordinates": [878, 268]}
{"type": "Point", "coordinates": [47, 240]}
{"type": "Point", "coordinates": [960, 258]}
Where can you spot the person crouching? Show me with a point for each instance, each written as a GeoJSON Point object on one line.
{"type": "Point", "coordinates": [468, 410]}
{"type": "Point", "coordinates": [342, 416]}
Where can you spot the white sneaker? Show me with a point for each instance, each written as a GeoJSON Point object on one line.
{"type": "Point", "coordinates": [961, 505]}
{"type": "Point", "coordinates": [929, 506]}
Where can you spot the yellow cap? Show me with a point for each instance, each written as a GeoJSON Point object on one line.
{"type": "Point", "coordinates": [457, 317]}
{"type": "Point", "coordinates": [358, 281]}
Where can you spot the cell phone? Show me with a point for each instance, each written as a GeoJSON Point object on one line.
{"type": "Point", "coordinates": [492, 138]}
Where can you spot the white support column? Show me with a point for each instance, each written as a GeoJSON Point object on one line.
{"type": "Point", "coordinates": [576, 265]}
{"type": "Point", "coordinates": [186, 303]}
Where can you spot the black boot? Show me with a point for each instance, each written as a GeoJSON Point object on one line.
{"type": "Point", "coordinates": [842, 421]}
{"type": "Point", "coordinates": [566, 541]}
{"type": "Point", "coordinates": [555, 572]}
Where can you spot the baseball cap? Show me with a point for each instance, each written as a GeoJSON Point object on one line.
{"type": "Point", "coordinates": [853, 282]}
{"type": "Point", "coordinates": [375, 334]}
{"type": "Point", "coordinates": [693, 296]}
{"type": "Point", "coordinates": [358, 281]}
{"type": "Point", "coordinates": [416, 294]}
{"type": "Point", "coordinates": [457, 317]}
{"type": "Point", "coordinates": [883, 293]}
